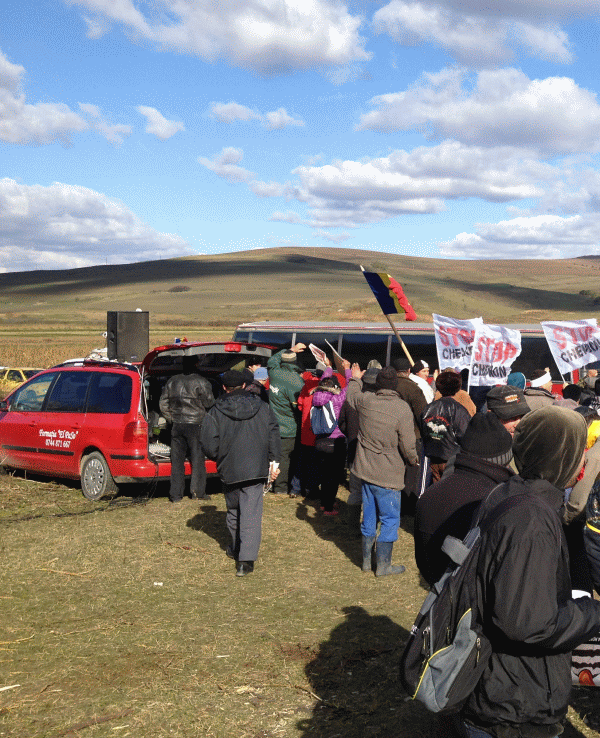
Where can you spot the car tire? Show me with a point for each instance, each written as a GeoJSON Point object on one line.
{"type": "Point", "coordinates": [96, 479]}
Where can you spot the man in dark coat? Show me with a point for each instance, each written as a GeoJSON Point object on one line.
{"type": "Point", "coordinates": [448, 507]}
{"type": "Point", "coordinates": [526, 603]}
{"type": "Point", "coordinates": [184, 401]}
{"type": "Point", "coordinates": [443, 423]}
{"type": "Point", "coordinates": [241, 434]}
{"type": "Point", "coordinates": [412, 394]}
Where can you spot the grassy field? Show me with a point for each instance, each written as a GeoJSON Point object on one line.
{"type": "Point", "coordinates": [189, 296]}
{"type": "Point", "coordinates": [124, 618]}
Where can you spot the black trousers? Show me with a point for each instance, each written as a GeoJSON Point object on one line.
{"type": "Point", "coordinates": [185, 441]}
{"type": "Point", "coordinates": [331, 468]}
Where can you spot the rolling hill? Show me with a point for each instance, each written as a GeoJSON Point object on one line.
{"type": "Point", "coordinates": [315, 283]}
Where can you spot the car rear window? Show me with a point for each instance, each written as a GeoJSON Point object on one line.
{"type": "Point", "coordinates": [69, 393]}
{"type": "Point", "coordinates": [109, 393]}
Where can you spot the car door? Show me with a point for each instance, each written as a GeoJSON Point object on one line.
{"type": "Point", "coordinates": [63, 424]}
{"type": "Point", "coordinates": [22, 425]}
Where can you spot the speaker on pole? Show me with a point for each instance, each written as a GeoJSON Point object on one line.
{"type": "Point", "coordinates": [127, 335]}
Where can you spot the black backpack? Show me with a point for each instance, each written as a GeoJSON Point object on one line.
{"type": "Point", "coordinates": [447, 650]}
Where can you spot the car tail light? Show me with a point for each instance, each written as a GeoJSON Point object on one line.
{"type": "Point", "coordinates": [136, 432]}
{"type": "Point", "coordinates": [233, 347]}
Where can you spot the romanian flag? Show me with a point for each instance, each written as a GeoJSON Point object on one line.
{"type": "Point", "coordinates": [389, 294]}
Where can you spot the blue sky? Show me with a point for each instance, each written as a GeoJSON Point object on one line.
{"type": "Point", "coordinates": [446, 128]}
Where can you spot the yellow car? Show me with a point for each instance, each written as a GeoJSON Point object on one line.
{"type": "Point", "coordinates": [11, 378]}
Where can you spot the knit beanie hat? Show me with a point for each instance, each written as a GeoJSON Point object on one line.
{"type": "Point", "coordinates": [487, 438]}
{"type": "Point", "coordinates": [418, 366]}
{"type": "Point", "coordinates": [387, 378]}
{"type": "Point", "coordinates": [549, 443]}
{"type": "Point", "coordinates": [289, 357]}
{"type": "Point", "coordinates": [232, 378]}
{"type": "Point", "coordinates": [516, 379]}
{"type": "Point", "coordinates": [401, 364]}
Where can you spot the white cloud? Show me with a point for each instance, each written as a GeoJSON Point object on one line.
{"type": "Point", "coordinates": [65, 226]}
{"type": "Point", "coordinates": [114, 134]}
{"type": "Point", "coordinates": [347, 194]}
{"type": "Point", "coordinates": [481, 34]}
{"type": "Point", "coordinates": [265, 36]}
{"type": "Point", "coordinates": [270, 189]}
{"type": "Point", "coordinates": [224, 165]}
{"type": "Point", "coordinates": [231, 112]}
{"type": "Point", "coordinates": [278, 119]}
{"type": "Point", "coordinates": [158, 125]}
{"type": "Point", "coordinates": [289, 217]}
{"type": "Point", "coordinates": [22, 123]}
{"type": "Point", "coordinates": [535, 237]}
{"type": "Point", "coordinates": [503, 108]}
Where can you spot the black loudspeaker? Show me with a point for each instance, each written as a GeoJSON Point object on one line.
{"type": "Point", "coordinates": [127, 335]}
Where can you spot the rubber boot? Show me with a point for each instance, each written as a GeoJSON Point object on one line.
{"type": "Point", "coordinates": [367, 550]}
{"type": "Point", "coordinates": [384, 560]}
{"type": "Point", "coordinates": [353, 520]}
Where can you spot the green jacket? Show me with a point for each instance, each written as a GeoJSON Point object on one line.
{"type": "Point", "coordinates": [285, 383]}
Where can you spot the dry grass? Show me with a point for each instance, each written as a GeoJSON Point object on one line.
{"type": "Point", "coordinates": [125, 619]}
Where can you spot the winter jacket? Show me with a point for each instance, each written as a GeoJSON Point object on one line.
{"type": "Point", "coordinates": [386, 437]}
{"type": "Point", "coordinates": [241, 434]}
{"type": "Point", "coordinates": [186, 398]}
{"type": "Point", "coordinates": [527, 612]}
{"type": "Point", "coordinates": [577, 500]}
{"type": "Point", "coordinates": [464, 398]}
{"type": "Point", "coordinates": [443, 424]}
{"type": "Point", "coordinates": [537, 397]}
{"type": "Point", "coordinates": [322, 397]}
{"type": "Point", "coordinates": [285, 384]}
{"type": "Point", "coordinates": [411, 393]}
{"type": "Point", "coordinates": [305, 398]}
{"type": "Point", "coordinates": [447, 508]}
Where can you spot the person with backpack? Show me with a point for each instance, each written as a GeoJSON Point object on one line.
{"type": "Point", "coordinates": [526, 607]}
{"type": "Point", "coordinates": [330, 443]}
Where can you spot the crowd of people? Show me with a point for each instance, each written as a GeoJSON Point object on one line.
{"type": "Point", "coordinates": [459, 456]}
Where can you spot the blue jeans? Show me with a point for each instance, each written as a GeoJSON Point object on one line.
{"type": "Point", "coordinates": [380, 505]}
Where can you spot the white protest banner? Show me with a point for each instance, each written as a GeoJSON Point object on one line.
{"type": "Point", "coordinates": [454, 340]}
{"type": "Point", "coordinates": [573, 343]}
{"type": "Point", "coordinates": [494, 350]}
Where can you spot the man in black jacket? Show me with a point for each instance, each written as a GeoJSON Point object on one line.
{"type": "Point", "coordinates": [447, 507]}
{"type": "Point", "coordinates": [241, 434]}
{"type": "Point", "coordinates": [526, 603]}
{"type": "Point", "coordinates": [184, 401]}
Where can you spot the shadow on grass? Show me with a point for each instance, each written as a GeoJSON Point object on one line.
{"type": "Point", "coordinates": [211, 521]}
{"type": "Point", "coordinates": [354, 675]}
{"type": "Point", "coordinates": [335, 529]}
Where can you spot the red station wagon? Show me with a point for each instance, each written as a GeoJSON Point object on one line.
{"type": "Point", "coordinates": [99, 421]}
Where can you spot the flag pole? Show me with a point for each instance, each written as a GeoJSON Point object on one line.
{"type": "Point", "coordinates": [400, 341]}
{"type": "Point", "coordinates": [393, 327]}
